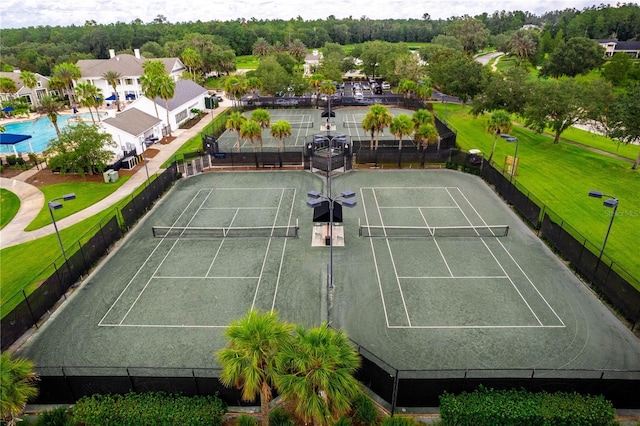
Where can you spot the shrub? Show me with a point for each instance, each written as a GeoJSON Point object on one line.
{"type": "Point", "coordinates": [343, 421]}
{"type": "Point", "coordinates": [246, 420]}
{"type": "Point", "coordinates": [12, 160]}
{"type": "Point", "coordinates": [364, 410]}
{"type": "Point", "coordinates": [280, 417]}
{"type": "Point", "coordinates": [518, 407]}
{"type": "Point", "coordinates": [58, 417]}
{"type": "Point", "coordinates": [399, 421]}
{"type": "Point", "coordinates": [150, 408]}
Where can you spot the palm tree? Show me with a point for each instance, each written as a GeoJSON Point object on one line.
{"type": "Point", "coordinates": [263, 118]}
{"type": "Point", "coordinates": [166, 89]}
{"type": "Point", "coordinates": [369, 125]}
{"type": "Point", "coordinates": [67, 72]}
{"type": "Point", "coordinates": [248, 360]}
{"type": "Point", "coordinates": [298, 50]}
{"type": "Point", "coordinates": [261, 47]}
{"type": "Point", "coordinates": [316, 372]}
{"type": "Point", "coordinates": [426, 134]}
{"type": "Point", "coordinates": [234, 123]}
{"type": "Point", "coordinates": [50, 107]}
{"type": "Point", "coordinates": [88, 96]}
{"type": "Point", "coordinates": [280, 130]}
{"type": "Point", "coordinates": [193, 61]}
{"type": "Point", "coordinates": [407, 87]}
{"type": "Point", "coordinates": [7, 85]}
{"type": "Point", "coordinates": [254, 84]}
{"type": "Point", "coordinates": [17, 386]}
{"type": "Point", "coordinates": [315, 81]}
{"type": "Point", "coordinates": [113, 78]}
{"type": "Point", "coordinates": [251, 131]}
{"type": "Point", "coordinates": [29, 80]}
{"type": "Point", "coordinates": [402, 125]}
{"type": "Point", "coordinates": [500, 122]}
{"type": "Point", "coordinates": [235, 88]}
{"type": "Point", "coordinates": [150, 90]}
{"type": "Point", "coordinates": [424, 89]}
{"type": "Point", "coordinates": [381, 118]}
{"type": "Point", "coordinates": [422, 116]}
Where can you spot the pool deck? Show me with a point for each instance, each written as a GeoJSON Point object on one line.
{"type": "Point", "coordinates": [32, 200]}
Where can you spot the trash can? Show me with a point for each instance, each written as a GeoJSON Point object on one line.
{"type": "Point", "coordinates": [113, 175]}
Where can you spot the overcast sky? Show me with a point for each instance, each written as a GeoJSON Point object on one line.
{"type": "Point", "coordinates": [26, 13]}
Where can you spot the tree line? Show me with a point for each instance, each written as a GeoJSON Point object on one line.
{"type": "Point", "coordinates": [39, 49]}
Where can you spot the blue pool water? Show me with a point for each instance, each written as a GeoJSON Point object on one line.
{"type": "Point", "coordinates": [41, 131]}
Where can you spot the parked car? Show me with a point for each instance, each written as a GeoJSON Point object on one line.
{"type": "Point", "coordinates": [286, 101]}
{"type": "Point", "coordinates": [378, 90]}
{"type": "Point", "coordinates": [385, 85]}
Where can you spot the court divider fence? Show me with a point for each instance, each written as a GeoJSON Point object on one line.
{"type": "Point", "coordinates": [26, 308]}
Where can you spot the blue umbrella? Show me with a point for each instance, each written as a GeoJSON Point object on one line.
{"type": "Point", "coordinates": [8, 109]}
{"type": "Point", "coordinates": [111, 98]}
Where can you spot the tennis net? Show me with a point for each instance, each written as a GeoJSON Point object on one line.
{"type": "Point", "coordinates": [351, 124]}
{"type": "Point", "coordinates": [301, 124]}
{"type": "Point", "coordinates": [194, 232]}
{"type": "Point", "coordinates": [435, 231]}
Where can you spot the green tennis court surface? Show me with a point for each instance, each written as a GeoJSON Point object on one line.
{"type": "Point", "coordinates": [485, 294]}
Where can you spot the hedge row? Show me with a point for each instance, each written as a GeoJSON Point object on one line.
{"type": "Point", "coordinates": [149, 409]}
{"type": "Point", "coordinates": [520, 407]}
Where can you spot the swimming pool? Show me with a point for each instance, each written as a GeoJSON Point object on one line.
{"type": "Point", "coordinates": [41, 131]}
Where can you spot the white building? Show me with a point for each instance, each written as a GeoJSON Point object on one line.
{"type": "Point", "coordinates": [130, 69]}
{"type": "Point", "coordinates": [188, 95]}
{"type": "Point", "coordinates": [32, 96]}
{"type": "Point", "coordinates": [132, 130]}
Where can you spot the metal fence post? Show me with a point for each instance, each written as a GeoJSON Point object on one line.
{"type": "Point", "coordinates": [394, 394]}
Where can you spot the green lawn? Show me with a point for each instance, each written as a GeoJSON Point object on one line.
{"type": "Point", "coordinates": [9, 206]}
{"type": "Point", "coordinates": [27, 264]}
{"type": "Point", "coordinates": [560, 176]}
{"type": "Point", "coordinates": [87, 194]}
{"type": "Point", "coordinates": [247, 62]}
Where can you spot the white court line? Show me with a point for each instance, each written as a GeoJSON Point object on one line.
{"type": "Point", "coordinates": [165, 326]}
{"type": "Point", "coordinates": [434, 327]}
{"type": "Point", "coordinates": [203, 278]}
{"type": "Point", "coordinates": [264, 259]}
{"type": "Point", "coordinates": [238, 208]}
{"type": "Point", "coordinates": [420, 207]}
{"type": "Point", "coordinates": [284, 249]}
{"type": "Point", "coordinates": [444, 259]}
{"type": "Point", "coordinates": [395, 269]}
{"type": "Point", "coordinates": [515, 262]}
{"type": "Point", "coordinates": [163, 260]}
{"type": "Point", "coordinates": [148, 258]}
{"type": "Point", "coordinates": [214, 257]}
{"type": "Point", "coordinates": [449, 277]}
{"type": "Point", "coordinates": [375, 261]}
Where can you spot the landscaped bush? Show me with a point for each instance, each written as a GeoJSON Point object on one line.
{"type": "Point", "coordinates": [520, 407]}
{"type": "Point", "coordinates": [61, 416]}
{"type": "Point", "coordinates": [280, 417]}
{"type": "Point", "coordinates": [399, 421]}
{"type": "Point", "coordinates": [148, 409]}
{"type": "Point", "coordinates": [246, 420]}
{"type": "Point", "coordinates": [364, 410]}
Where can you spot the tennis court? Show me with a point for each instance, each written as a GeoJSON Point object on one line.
{"type": "Point", "coordinates": [434, 272]}
{"type": "Point", "coordinates": [307, 122]}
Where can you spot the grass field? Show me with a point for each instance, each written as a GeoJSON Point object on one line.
{"type": "Point", "coordinates": [561, 175]}
{"type": "Point", "coordinates": [9, 206]}
{"type": "Point", "coordinates": [87, 194]}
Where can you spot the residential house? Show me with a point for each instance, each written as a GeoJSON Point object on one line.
{"type": "Point", "coordinates": [130, 69]}
{"type": "Point", "coordinates": [132, 130]}
{"type": "Point", "coordinates": [312, 62]}
{"type": "Point", "coordinates": [32, 96]}
{"type": "Point", "coordinates": [188, 95]}
{"type": "Point", "coordinates": [613, 46]}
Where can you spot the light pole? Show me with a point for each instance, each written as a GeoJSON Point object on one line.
{"type": "Point", "coordinates": [512, 139]}
{"type": "Point", "coordinates": [611, 202]}
{"type": "Point", "coordinates": [316, 200]}
{"type": "Point", "coordinates": [56, 205]}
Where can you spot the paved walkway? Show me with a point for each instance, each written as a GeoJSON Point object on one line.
{"type": "Point", "coordinates": [32, 200]}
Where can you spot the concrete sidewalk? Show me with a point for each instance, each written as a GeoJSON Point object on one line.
{"type": "Point", "coordinates": [32, 199]}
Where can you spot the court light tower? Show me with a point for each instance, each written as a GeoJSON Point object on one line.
{"type": "Point", "coordinates": [316, 200]}
{"type": "Point", "coordinates": [611, 202]}
{"type": "Point", "coordinates": [55, 204]}
{"type": "Point", "coordinates": [512, 139]}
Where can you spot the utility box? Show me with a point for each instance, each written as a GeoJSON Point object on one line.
{"type": "Point", "coordinates": [113, 175]}
{"type": "Point", "coordinates": [106, 177]}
